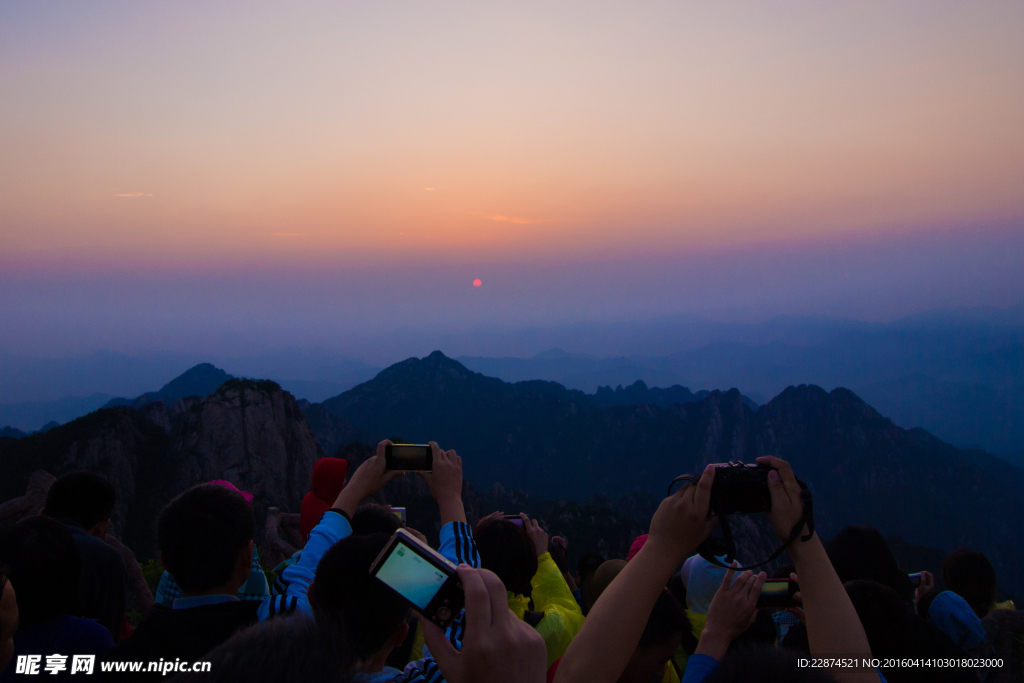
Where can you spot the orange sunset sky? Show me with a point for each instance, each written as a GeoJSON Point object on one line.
{"type": "Point", "coordinates": [148, 138]}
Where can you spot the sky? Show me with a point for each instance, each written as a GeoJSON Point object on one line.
{"type": "Point", "coordinates": [198, 176]}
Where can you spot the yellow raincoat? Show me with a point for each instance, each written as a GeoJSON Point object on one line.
{"type": "Point", "coordinates": [563, 617]}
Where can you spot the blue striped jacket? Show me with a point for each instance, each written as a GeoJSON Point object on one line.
{"type": "Point", "coordinates": [457, 545]}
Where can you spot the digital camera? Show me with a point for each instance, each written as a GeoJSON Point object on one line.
{"type": "Point", "coordinates": [740, 488]}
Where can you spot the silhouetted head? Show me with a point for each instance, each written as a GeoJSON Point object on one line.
{"type": "Point", "coordinates": [765, 664]}
{"type": "Point", "coordinates": [205, 536]}
{"type": "Point", "coordinates": [347, 600]}
{"type": "Point", "coordinates": [661, 638]}
{"type": "Point", "coordinates": [860, 552]}
{"type": "Point", "coordinates": [587, 565]}
{"type": "Point", "coordinates": [599, 580]}
{"type": "Point", "coordinates": [506, 549]}
{"type": "Point", "coordinates": [375, 519]}
{"type": "Point", "coordinates": [42, 564]}
{"type": "Point", "coordinates": [883, 614]}
{"type": "Point", "coordinates": [83, 497]}
{"type": "Point", "coordinates": [292, 649]}
{"type": "Point", "coordinates": [969, 574]}
{"type": "Point", "coordinates": [8, 618]}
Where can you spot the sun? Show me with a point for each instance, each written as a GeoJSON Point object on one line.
{"type": "Point", "coordinates": [477, 283]}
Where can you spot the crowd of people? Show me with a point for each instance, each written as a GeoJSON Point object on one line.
{"type": "Point", "coordinates": [663, 614]}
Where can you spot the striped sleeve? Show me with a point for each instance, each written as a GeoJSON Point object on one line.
{"type": "Point", "coordinates": [297, 578]}
{"type": "Point", "coordinates": [457, 544]}
{"type": "Point", "coordinates": [420, 671]}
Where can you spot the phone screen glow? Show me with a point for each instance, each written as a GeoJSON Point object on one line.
{"type": "Point", "coordinates": [414, 578]}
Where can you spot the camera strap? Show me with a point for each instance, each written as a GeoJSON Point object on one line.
{"type": "Point", "coordinates": [714, 547]}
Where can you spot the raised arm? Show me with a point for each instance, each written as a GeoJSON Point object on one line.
{"type": "Point", "coordinates": [368, 479]}
{"type": "Point", "coordinates": [612, 630]}
{"type": "Point", "coordinates": [833, 627]}
{"type": "Point", "coordinates": [445, 484]}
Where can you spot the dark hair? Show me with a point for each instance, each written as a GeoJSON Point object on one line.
{"type": "Point", "coordinates": [969, 574]}
{"type": "Point", "coordinates": [860, 552]}
{"type": "Point", "coordinates": [758, 663]}
{"type": "Point", "coordinates": [506, 549]}
{"type": "Point", "coordinates": [588, 564]}
{"type": "Point", "coordinates": [43, 565]}
{"type": "Point", "coordinates": [291, 649]}
{"type": "Point", "coordinates": [677, 588]}
{"type": "Point", "coordinates": [374, 519]}
{"type": "Point", "coordinates": [883, 614]}
{"type": "Point", "coordinates": [762, 630]}
{"type": "Point", "coordinates": [85, 497]}
{"type": "Point", "coordinates": [201, 533]}
{"type": "Point", "coordinates": [667, 618]}
{"type": "Point", "coordinates": [346, 599]}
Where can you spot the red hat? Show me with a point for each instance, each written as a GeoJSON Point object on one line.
{"type": "Point", "coordinates": [228, 484]}
{"type": "Point", "coordinates": [635, 548]}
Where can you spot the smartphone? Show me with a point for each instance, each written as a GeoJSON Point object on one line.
{"type": "Point", "coordinates": [778, 593]}
{"type": "Point", "coordinates": [915, 579]}
{"type": "Point", "coordinates": [421, 576]}
{"type": "Point", "coordinates": [408, 457]}
{"type": "Point", "coordinates": [515, 519]}
{"type": "Point", "coordinates": [400, 513]}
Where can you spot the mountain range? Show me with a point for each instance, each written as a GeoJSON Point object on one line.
{"type": "Point", "coordinates": [957, 373]}
{"type": "Point", "coordinates": [548, 443]}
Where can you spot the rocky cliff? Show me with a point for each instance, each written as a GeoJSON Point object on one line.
{"type": "Point", "coordinates": [250, 433]}
{"type": "Point", "coordinates": [253, 434]}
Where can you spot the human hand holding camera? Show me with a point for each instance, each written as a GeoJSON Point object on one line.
{"type": "Point", "coordinates": [681, 522]}
{"type": "Point", "coordinates": [787, 503]}
{"type": "Point", "coordinates": [445, 484]}
{"type": "Point", "coordinates": [497, 646]}
{"type": "Point", "coordinates": [368, 479]}
{"type": "Point", "coordinates": [536, 534]}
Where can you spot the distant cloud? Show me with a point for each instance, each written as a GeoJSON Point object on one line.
{"type": "Point", "coordinates": [516, 220]}
{"type": "Point", "coordinates": [131, 194]}
{"type": "Point", "coordinates": [429, 189]}
{"type": "Point", "coordinates": [289, 234]}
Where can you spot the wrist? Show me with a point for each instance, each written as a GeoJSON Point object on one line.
{"type": "Point", "coordinates": [799, 550]}
{"type": "Point", "coordinates": [451, 509]}
{"type": "Point", "coordinates": [713, 644]}
{"type": "Point", "coordinates": [348, 500]}
{"type": "Point", "coordinates": [666, 551]}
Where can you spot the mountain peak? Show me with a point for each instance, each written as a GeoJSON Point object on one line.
{"type": "Point", "coordinates": [199, 380]}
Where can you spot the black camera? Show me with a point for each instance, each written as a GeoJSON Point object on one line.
{"type": "Point", "coordinates": [740, 488]}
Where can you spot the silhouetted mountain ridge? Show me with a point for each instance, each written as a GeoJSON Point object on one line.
{"type": "Point", "coordinates": [556, 443]}
{"type": "Point", "coordinates": [200, 380]}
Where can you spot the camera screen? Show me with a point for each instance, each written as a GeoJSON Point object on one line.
{"type": "Point", "coordinates": [410, 457]}
{"type": "Point", "coordinates": [413, 577]}
{"type": "Point", "coordinates": [775, 589]}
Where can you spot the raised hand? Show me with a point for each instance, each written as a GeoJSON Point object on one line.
{"type": "Point", "coordinates": [731, 612]}
{"type": "Point", "coordinates": [787, 505]}
{"type": "Point", "coordinates": [536, 534]}
{"type": "Point", "coordinates": [681, 522]}
{"type": "Point", "coordinates": [445, 484]}
{"type": "Point", "coordinates": [368, 479]}
{"type": "Point", "coordinates": [497, 647]}
{"type": "Point", "coordinates": [927, 584]}
{"type": "Point", "coordinates": [487, 519]}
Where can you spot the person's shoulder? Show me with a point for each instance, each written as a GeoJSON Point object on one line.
{"type": "Point", "coordinates": [98, 548]}
{"type": "Point", "coordinates": [86, 635]}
